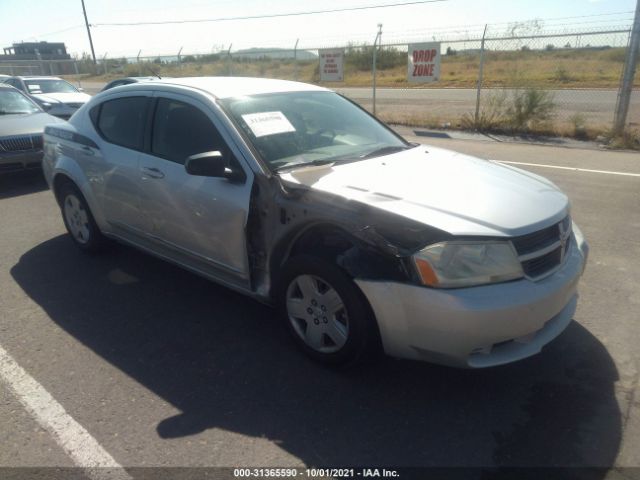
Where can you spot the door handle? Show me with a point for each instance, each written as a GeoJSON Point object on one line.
{"type": "Point", "coordinates": [152, 172]}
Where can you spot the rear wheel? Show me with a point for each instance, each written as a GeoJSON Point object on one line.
{"type": "Point", "coordinates": [325, 312]}
{"type": "Point", "coordinates": [79, 221]}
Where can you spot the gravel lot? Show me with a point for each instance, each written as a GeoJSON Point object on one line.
{"type": "Point", "coordinates": [163, 368]}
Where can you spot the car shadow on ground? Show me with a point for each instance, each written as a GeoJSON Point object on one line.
{"type": "Point", "coordinates": [15, 184]}
{"type": "Point", "coordinates": [224, 362]}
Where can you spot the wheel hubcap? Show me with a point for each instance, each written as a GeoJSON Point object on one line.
{"type": "Point", "coordinates": [77, 219]}
{"type": "Point", "coordinates": [317, 313]}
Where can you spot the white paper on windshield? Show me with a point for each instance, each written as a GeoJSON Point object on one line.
{"type": "Point", "coordinates": [268, 123]}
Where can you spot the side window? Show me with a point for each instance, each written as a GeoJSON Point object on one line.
{"type": "Point", "coordinates": [181, 130]}
{"type": "Point", "coordinates": [121, 121]}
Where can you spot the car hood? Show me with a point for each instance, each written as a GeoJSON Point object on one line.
{"type": "Point", "coordinates": [450, 191]}
{"type": "Point", "coordinates": [31, 123]}
{"type": "Point", "coordinates": [77, 97]}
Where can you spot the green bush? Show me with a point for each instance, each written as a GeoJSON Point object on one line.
{"type": "Point", "coordinates": [361, 57]}
{"type": "Point", "coordinates": [519, 111]}
{"type": "Point", "coordinates": [529, 108]}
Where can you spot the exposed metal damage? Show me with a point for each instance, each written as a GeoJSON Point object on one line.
{"type": "Point", "coordinates": [366, 242]}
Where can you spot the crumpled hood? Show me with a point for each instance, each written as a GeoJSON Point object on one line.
{"type": "Point", "coordinates": [450, 191]}
{"type": "Point", "coordinates": [78, 97]}
{"type": "Point", "coordinates": [32, 123]}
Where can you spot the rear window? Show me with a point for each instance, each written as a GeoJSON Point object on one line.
{"type": "Point", "coordinates": [121, 121]}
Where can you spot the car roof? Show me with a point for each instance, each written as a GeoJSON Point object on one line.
{"type": "Point", "coordinates": [37, 77]}
{"type": "Point", "coordinates": [226, 87]}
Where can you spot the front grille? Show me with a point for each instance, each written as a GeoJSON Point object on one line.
{"type": "Point", "coordinates": [543, 251]}
{"type": "Point", "coordinates": [537, 240]}
{"type": "Point", "coordinates": [540, 265]}
{"type": "Point", "coordinates": [21, 143]}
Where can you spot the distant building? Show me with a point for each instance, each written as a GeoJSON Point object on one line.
{"type": "Point", "coordinates": [36, 51]}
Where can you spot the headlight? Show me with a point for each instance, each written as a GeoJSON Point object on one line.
{"type": "Point", "coordinates": [465, 264]}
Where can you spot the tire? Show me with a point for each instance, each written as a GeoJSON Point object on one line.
{"type": "Point", "coordinates": [325, 312]}
{"type": "Point", "coordinates": [79, 220]}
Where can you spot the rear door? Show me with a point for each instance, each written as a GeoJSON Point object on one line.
{"type": "Point", "coordinates": [201, 219]}
{"type": "Point", "coordinates": [120, 123]}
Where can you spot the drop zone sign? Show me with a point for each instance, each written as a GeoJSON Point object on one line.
{"type": "Point", "coordinates": [424, 63]}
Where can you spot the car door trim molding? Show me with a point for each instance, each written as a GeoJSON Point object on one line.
{"type": "Point", "coordinates": [70, 136]}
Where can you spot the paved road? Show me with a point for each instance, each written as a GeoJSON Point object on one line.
{"type": "Point", "coordinates": [451, 103]}
{"type": "Point", "coordinates": [163, 368]}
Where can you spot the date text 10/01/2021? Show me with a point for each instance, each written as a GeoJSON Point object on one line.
{"type": "Point", "coordinates": [314, 473]}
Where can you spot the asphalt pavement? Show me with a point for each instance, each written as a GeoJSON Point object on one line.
{"type": "Point", "coordinates": [163, 368]}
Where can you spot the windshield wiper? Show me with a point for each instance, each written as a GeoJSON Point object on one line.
{"type": "Point", "coordinates": [378, 152]}
{"type": "Point", "coordinates": [291, 166]}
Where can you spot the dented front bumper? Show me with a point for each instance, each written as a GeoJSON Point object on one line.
{"type": "Point", "coordinates": [481, 326]}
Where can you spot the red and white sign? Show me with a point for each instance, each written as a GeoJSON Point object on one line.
{"type": "Point", "coordinates": [424, 62]}
{"type": "Point", "coordinates": [331, 65]}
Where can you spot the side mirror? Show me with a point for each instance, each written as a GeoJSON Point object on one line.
{"type": "Point", "coordinates": [207, 164]}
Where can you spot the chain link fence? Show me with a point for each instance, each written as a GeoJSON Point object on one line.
{"type": "Point", "coordinates": [523, 79]}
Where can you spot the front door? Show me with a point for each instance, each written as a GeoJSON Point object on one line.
{"type": "Point", "coordinates": [202, 219]}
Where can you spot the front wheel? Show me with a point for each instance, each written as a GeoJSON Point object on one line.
{"type": "Point", "coordinates": [325, 312]}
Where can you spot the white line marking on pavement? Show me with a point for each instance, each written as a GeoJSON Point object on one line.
{"type": "Point", "coordinates": [83, 449]}
{"type": "Point", "coordinates": [608, 172]}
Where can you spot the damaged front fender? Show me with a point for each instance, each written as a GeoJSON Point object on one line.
{"type": "Point", "coordinates": [288, 219]}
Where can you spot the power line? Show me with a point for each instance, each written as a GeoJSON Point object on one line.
{"type": "Point", "coordinates": [56, 32]}
{"type": "Point", "coordinates": [274, 15]}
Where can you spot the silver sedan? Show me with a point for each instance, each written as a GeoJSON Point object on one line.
{"type": "Point", "coordinates": [295, 196]}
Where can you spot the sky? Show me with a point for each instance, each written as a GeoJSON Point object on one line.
{"type": "Point", "coordinates": [62, 21]}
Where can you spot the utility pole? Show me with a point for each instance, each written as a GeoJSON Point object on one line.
{"type": "Point", "coordinates": [375, 54]}
{"type": "Point", "coordinates": [86, 22]}
{"type": "Point", "coordinates": [626, 86]}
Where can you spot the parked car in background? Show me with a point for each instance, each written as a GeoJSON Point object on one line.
{"type": "Point", "coordinates": [293, 195]}
{"type": "Point", "coordinates": [55, 95]}
{"type": "Point", "coordinates": [129, 80]}
{"type": "Point", "coordinates": [22, 124]}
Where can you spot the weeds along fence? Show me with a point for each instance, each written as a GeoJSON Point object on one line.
{"type": "Point", "coordinates": [521, 80]}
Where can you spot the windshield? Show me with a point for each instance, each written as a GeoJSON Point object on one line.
{"type": "Point", "coordinates": [291, 129]}
{"type": "Point", "coordinates": [13, 102]}
{"type": "Point", "coordinates": [45, 85]}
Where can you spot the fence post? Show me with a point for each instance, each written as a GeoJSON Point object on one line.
{"type": "Point", "coordinates": [480, 72]}
{"type": "Point", "coordinates": [104, 63]}
{"type": "Point", "coordinates": [626, 86]}
{"type": "Point", "coordinates": [180, 58]}
{"type": "Point", "coordinates": [138, 62]}
{"type": "Point", "coordinates": [75, 67]}
{"type": "Point", "coordinates": [375, 42]}
{"type": "Point", "coordinates": [229, 69]}
{"type": "Point", "coordinates": [295, 60]}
